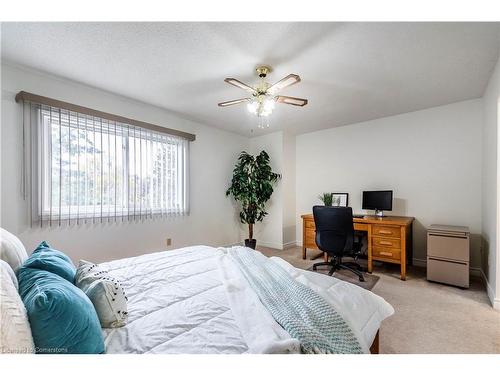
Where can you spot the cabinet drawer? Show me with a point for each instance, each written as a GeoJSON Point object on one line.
{"type": "Point", "coordinates": [382, 252]}
{"type": "Point", "coordinates": [456, 248]}
{"type": "Point", "coordinates": [393, 243]}
{"type": "Point", "coordinates": [309, 224]}
{"type": "Point", "coordinates": [448, 272]}
{"type": "Point", "coordinates": [388, 231]}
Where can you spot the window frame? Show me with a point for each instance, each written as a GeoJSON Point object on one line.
{"type": "Point", "coordinates": [127, 208]}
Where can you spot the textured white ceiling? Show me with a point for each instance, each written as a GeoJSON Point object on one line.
{"type": "Point", "coordinates": [350, 72]}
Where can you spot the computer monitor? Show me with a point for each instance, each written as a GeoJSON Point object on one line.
{"type": "Point", "coordinates": [377, 200]}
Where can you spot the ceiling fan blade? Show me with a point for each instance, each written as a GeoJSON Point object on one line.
{"type": "Point", "coordinates": [241, 85]}
{"type": "Point", "coordinates": [289, 80]}
{"type": "Point", "coordinates": [232, 102]}
{"type": "Point", "coordinates": [291, 100]}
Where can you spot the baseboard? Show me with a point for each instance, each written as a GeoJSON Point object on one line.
{"type": "Point", "coordinates": [234, 244]}
{"type": "Point", "coordinates": [272, 245]}
{"type": "Point", "coordinates": [419, 262]}
{"type": "Point", "coordinates": [495, 302]}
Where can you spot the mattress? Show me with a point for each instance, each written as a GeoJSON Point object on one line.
{"type": "Point", "coordinates": [194, 300]}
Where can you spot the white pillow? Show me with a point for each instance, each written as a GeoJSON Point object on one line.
{"type": "Point", "coordinates": [105, 292]}
{"type": "Point", "coordinates": [15, 330]}
{"type": "Point", "coordinates": [12, 249]}
{"type": "Point", "coordinates": [9, 272]}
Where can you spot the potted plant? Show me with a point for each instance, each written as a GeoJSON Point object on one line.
{"type": "Point", "coordinates": [252, 186]}
{"type": "Point", "coordinates": [326, 198]}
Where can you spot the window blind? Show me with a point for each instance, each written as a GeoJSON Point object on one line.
{"type": "Point", "coordinates": [81, 168]}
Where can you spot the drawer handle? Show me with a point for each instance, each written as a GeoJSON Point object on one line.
{"type": "Point", "coordinates": [385, 231]}
{"type": "Point", "coordinates": [385, 243]}
{"type": "Point", "coordinates": [386, 253]}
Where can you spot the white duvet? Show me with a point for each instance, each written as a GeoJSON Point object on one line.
{"type": "Point", "coordinates": [194, 300]}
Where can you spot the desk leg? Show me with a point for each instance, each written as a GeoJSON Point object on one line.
{"type": "Point", "coordinates": [303, 239]}
{"type": "Point", "coordinates": [403, 253]}
{"type": "Point", "coordinates": [370, 265]}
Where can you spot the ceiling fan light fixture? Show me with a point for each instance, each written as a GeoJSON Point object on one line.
{"type": "Point", "coordinates": [253, 107]}
{"type": "Point", "coordinates": [269, 104]}
{"type": "Point", "coordinates": [264, 96]}
{"type": "Point", "coordinates": [261, 106]}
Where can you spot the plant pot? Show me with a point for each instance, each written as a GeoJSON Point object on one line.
{"type": "Point", "coordinates": [251, 243]}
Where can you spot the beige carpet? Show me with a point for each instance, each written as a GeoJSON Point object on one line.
{"type": "Point", "coordinates": [430, 317]}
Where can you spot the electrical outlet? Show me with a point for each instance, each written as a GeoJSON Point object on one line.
{"type": "Point", "coordinates": [169, 242]}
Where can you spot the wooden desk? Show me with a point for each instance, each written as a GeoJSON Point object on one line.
{"type": "Point", "coordinates": [389, 238]}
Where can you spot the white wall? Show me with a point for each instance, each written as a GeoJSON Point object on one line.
{"type": "Point", "coordinates": [430, 158]}
{"type": "Point", "coordinates": [212, 220]}
{"type": "Point", "coordinates": [490, 175]}
{"type": "Point", "coordinates": [288, 186]}
{"type": "Point", "coordinates": [270, 231]}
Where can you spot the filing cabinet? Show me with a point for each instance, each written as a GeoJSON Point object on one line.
{"type": "Point", "coordinates": [448, 253]}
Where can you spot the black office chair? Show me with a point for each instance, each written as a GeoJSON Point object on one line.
{"type": "Point", "coordinates": [335, 236]}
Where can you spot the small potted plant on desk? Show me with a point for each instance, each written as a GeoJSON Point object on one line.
{"type": "Point", "coordinates": [327, 199]}
{"type": "Point", "coordinates": [252, 186]}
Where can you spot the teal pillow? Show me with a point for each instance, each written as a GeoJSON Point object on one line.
{"type": "Point", "coordinates": [62, 318]}
{"type": "Point", "coordinates": [55, 261]}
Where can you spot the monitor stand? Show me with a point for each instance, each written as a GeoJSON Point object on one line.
{"type": "Point", "coordinates": [379, 213]}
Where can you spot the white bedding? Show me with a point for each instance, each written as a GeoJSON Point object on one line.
{"type": "Point", "coordinates": [194, 300]}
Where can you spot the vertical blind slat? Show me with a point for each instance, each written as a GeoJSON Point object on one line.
{"type": "Point", "coordinates": [101, 167]}
{"type": "Point", "coordinates": [49, 136]}
{"type": "Point", "coordinates": [170, 189]}
{"type": "Point", "coordinates": [41, 173]}
{"type": "Point", "coordinates": [115, 170]}
{"type": "Point", "coordinates": [31, 159]}
{"type": "Point", "coordinates": [127, 169]}
{"type": "Point", "coordinates": [23, 166]}
{"type": "Point", "coordinates": [86, 180]}
{"type": "Point", "coordinates": [78, 173]}
{"type": "Point", "coordinates": [69, 199]}
{"type": "Point", "coordinates": [135, 169]}
{"type": "Point", "coordinates": [108, 198]}
{"type": "Point", "coordinates": [60, 165]}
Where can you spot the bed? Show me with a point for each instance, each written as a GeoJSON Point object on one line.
{"type": "Point", "coordinates": [195, 300]}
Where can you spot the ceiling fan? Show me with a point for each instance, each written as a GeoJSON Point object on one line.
{"type": "Point", "coordinates": [264, 95]}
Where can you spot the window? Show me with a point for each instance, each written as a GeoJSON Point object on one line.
{"type": "Point", "coordinates": [87, 168]}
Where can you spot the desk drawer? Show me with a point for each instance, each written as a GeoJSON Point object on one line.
{"type": "Point", "coordinates": [386, 231]}
{"type": "Point", "coordinates": [361, 227]}
{"type": "Point", "coordinates": [309, 224]}
{"type": "Point", "coordinates": [382, 252]}
{"type": "Point", "coordinates": [310, 239]}
{"type": "Point", "coordinates": [386, 242]}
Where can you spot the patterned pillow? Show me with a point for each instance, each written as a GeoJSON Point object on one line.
{"type": "Point", "coordinates": [15, 330]}
{"type": "Point", "coordinates": [105, 292]}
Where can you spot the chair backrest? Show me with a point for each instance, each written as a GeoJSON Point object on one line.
{"type": "Point", "coordinates": [334, 229]}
